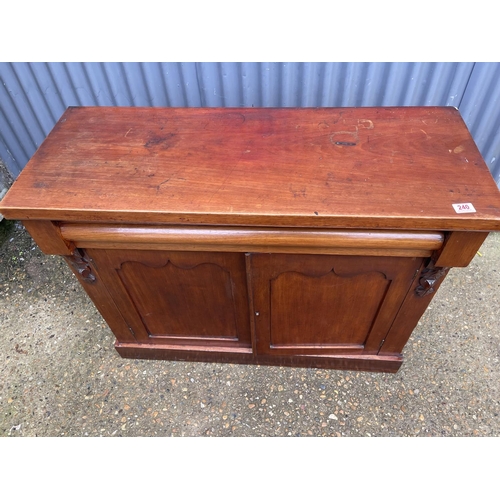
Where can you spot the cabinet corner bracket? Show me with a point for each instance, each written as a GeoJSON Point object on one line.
{"type": "Point", "coordinates": [80, 261]}
{"type": "Point", "coordinates": [429, 279]}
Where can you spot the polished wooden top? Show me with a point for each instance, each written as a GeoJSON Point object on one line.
{"type": "Point", "coordinates": [395, 168]}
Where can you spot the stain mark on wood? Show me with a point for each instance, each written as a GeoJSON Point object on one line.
{"type": "Point", "coordinates": [298, 193]}
{"type": "Point", "coordinates": [164, 141]}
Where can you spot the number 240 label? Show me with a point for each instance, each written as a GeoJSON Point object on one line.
{"type": "Point", "coordinates": [463, 208]}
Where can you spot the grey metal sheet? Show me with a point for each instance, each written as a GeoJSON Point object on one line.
{"type": "Point", "coordinates": [480, 108]}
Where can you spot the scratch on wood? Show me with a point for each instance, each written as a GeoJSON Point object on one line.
{"type": "Point", "coordinates": [128, 132]}
{"type": "Point", "coordinates": [161, 184]}
{"type": "Point", "coordinates": [223, 183]}
{"type": "Point", "coordinates": [345, 138]}
{"type": "Point", "coordinates": [173, 176]}
{"type": "Point", "coordinates": [368, 124]}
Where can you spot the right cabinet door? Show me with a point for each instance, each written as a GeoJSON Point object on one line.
{"type": "Point", "coordinates": [326, 305]}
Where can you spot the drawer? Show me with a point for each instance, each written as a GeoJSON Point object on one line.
{"type": "Point", "coordinates": [255, 240]}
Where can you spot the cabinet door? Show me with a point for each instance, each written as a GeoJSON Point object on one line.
{"type": "Point", "coordinates": [313, 305]}
{"type": "Point", "coordinates": [179, 298]}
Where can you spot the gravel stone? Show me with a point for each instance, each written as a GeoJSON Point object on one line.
{"type": "Point", "coordinates": [60, 374]}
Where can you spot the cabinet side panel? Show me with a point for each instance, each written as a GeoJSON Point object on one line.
{"type": "Point", "coordinates": [101, 298]}
{"type": "Point", "coordinates": [407, 318]}
{"type": "Point", "coordinates": [47, 236]}
{"type": "Point", "coordinates": [459, 249]}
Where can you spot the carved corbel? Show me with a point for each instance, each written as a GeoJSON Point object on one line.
{"type": "Point", "coordinates": [429, 279]}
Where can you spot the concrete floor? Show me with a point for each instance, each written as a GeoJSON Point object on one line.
{"type": "Point", "coordinates": [60, 375]}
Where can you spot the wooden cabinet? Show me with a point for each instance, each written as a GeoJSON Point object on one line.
{"type": "Point", "coordinates": [298, 237]}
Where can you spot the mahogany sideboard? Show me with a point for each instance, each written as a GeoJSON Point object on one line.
{"type": "Point", "coordinates": [299, 237]}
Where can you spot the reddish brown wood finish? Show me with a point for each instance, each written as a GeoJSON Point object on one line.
{"type": "Point", "coordinates": [179, 298]}
{"type": "Point", "coordinates": [48, 237]}
{"type": "Point", "coordinates": [459, 249]}
{"type": "Point", "coordinates": [398, 168]}
{"type": "Point", "coordinates": [407, 318]}
{"type": "Point", "coordinates": [101, 298]}
{"type": "Point", "coordinates": [237, 239]}
{"type": "Point", "coordinates": [296, 237]}
{"type": "Point", "coordinates": [381, 363]}
{"type": "Point", "coordinates": [326, 305]}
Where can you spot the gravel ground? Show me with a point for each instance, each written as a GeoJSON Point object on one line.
{"type": "Point", "coordinates": [60, 374]}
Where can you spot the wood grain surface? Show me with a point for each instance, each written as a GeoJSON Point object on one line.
{"type": "Point", "coordinates": [179, 298]}
{"type": "Point", "coordinates": [393, 168]}
{"type": "Point", "coordinates": [318, 304]}
{"type": "Point", "coordinates": [238, 239]}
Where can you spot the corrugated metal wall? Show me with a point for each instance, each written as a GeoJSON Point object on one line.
{"type": "Point", "coordinates": [34, 95]}
{"type": "Point", "coordinates": [480, 108]}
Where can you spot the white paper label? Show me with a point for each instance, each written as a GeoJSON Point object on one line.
{"type": "Point", "coordinates": [464, 208]}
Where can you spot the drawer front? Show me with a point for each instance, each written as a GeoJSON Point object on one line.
{"type": "Point", "coordinates": [248, 239]}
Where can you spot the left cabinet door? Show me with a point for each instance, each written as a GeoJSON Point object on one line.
{"type": "Point", "coordinates": [179, 299]}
